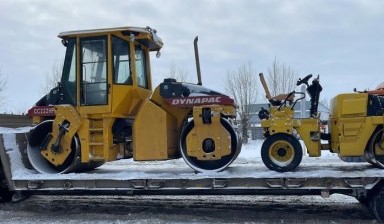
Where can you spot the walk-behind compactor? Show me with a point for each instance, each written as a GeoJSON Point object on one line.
{"type": "Point", "coordinates": [104, 109]}
{"type": "Point", "coordinates": [355, 127]}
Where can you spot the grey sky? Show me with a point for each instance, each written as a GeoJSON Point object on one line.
{"type": "Point", "coordinates": [340, 40]}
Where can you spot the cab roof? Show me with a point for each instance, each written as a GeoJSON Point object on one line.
{"type": "Point", "coordinates": [146, 36]}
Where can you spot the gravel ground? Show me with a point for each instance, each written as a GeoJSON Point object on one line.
{"type": "Point", "coordinates": [186, 209]}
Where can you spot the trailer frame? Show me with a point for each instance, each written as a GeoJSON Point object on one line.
{"type": "Point", "coordinates": [369, 190]}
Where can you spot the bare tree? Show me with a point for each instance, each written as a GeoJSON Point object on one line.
{"type": "Point", "coordinates": [241, 84]}
{"type": "Point", "coordinates": [3, 84]}
{"type": "Point", "coordinates": [53, 76]}
{"type": "Point", "coordinates": [175, 72]}
{"type": "Point", "coordinates": [281, 78]}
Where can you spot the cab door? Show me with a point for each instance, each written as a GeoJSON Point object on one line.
{"type": "Point", "coordinates": [142, 72]}
{"type": "Point", "coordinates": [94, 79]}
{"type": "Point", "coordinates": [131, 83]}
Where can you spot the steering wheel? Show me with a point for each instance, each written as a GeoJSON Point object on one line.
{"type": "Point", "coordinates": [304, 80]}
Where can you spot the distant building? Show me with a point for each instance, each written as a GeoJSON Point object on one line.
{"type": "Point", "coordinates": [301, 111]}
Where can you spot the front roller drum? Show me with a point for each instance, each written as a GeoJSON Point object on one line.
{"type": "Point", "coordinates": [281, 152]}
{"type": "Point", "coordinates": [42, 165]}
{"type": "Point", "coordinates": [208, 146]}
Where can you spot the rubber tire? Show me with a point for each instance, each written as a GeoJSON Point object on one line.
{"type": "Point", "coordinates": [5, 193]}
{"type": "Point", "coordinates": [298, 152]}
{"type": "Point", "coordinates": [377, 205]}
{"type": "Point", "coordinates": [364, 201]}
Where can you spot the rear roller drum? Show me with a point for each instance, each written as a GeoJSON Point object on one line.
{"type": "Point", "coordinates": [281, 152]}
{"type": "Point", "coordinates": [376, 141]}
{"type": "Point", "coordinates": [208, 146]}
{"type": "Point", "coordinates": [42, 165]}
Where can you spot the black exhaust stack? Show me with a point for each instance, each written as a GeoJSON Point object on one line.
{"type": "Point", "coordinates": [197, 61]}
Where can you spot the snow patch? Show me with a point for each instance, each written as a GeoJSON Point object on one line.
{"type": "Point", "coordinates": [247, 165]}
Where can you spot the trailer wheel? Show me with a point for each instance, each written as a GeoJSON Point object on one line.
{"type": "Point", "coordinates": [364, 201]}
{"type": "Point", "coordinates": [377, 205]}
{"type": "Point", "coordinates": [5, 195]}
{"type": "Point", "coordinates": [281, 152]}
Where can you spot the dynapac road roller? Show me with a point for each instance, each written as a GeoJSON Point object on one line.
{"type": "Point", "coordinates": [104, 109]}
{"type": "Point", "coordinates": [355, 127]}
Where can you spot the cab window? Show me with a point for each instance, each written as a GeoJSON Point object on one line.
{"type": "Point", "coordinates": [68, 78]}
{"type": "Point", "coordinates": [141, 68]}
{"type": "Point", "coordinates": [94, 71]}
{"type": "Point", "coordinates": [121, 63]}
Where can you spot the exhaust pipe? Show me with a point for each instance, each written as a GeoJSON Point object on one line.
{"type": "Point", "coordinates": [197, 60]}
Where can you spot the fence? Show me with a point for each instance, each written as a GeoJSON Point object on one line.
{"type": "Point", "coordinates": [14, 121]}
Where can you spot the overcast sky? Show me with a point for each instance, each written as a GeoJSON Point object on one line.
{"type": "Point", "coordinates": [342, 40]}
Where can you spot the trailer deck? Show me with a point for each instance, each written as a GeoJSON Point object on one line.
{"type": "Point", "coordinates": [246, 175]}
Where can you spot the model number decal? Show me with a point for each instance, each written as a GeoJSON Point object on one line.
{"type": "Point", "coordinates": [42, 111]}
{"type": "Point", "coordinates": [197, 100]}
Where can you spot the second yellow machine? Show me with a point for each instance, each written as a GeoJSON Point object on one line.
{"type": "Point", "coordinates": [104, 109]}
{"type": "Point", "coordinates": [355, 127]}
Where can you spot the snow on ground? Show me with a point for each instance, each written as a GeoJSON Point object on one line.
{"type": "Point", "coordinates": [248, 164]}
{"type": "Point", "coordinates": [4, 130]}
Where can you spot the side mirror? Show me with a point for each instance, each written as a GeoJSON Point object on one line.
{"type": "Point", "coordinates": [158, 54]}
{"type": "Point", "coordinates": [64, 42]}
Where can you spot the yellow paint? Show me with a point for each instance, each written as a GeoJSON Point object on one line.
{"type": "Point", "coordinates": [350, 127]}
{"type": "Point", "coordinates": [63, 113]}
{"type": "Point", "coordinates": [354, 135]}
{"type": "Point", "coordinates": [213, 130]}
{"type": "Point", "coordinates": [309, 131]}
{"type": "Point", "coordinates": [155, 133]}
{"type": "Point", "coordinates": [280, 121]}
{"type": "Point", "coordinates": [157, 124]}
{"type": "Point", "coordinates": [277, 146]}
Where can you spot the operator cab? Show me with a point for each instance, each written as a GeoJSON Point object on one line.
{"type": "Point", "coordinates": [105, 62]}
{"type": "Point", "coordinates": [102, 63]}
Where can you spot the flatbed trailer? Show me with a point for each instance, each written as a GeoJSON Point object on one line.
{"type": "Point", "coordinates": [126, 177]}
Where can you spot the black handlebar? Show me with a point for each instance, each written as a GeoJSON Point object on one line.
{"type": "Point", "coordinates": [304, 80]}
{"type": "Point", "coordinates": [290, 94]}
{"type": "Point", "coordinates": [286, 99]}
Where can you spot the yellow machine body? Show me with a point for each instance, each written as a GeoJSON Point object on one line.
{"type": "Point", "coordinates": [123, 98]}
{"type": "Point", "coordinates": [282, 120]}
{"type": "Point", "coordinates": [108, 105]}
{"type": "Point", "coordinates": [157, 127]}
{"type": "Point", "coordinates": [349, 126]}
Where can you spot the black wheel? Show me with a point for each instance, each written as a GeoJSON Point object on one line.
{"type": "Point", "coordinates": [281, 152]}
{"type": "Point", "coordinates": [5, 195]}
{"type": "Point", "coordinates": [211, 165]}
{"type": "Point", "coordinates": [377, 205]}
{"type": "Point", "coordinates": [364, 201]}
{"type": "Point", "coordinates": [370, 153]}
